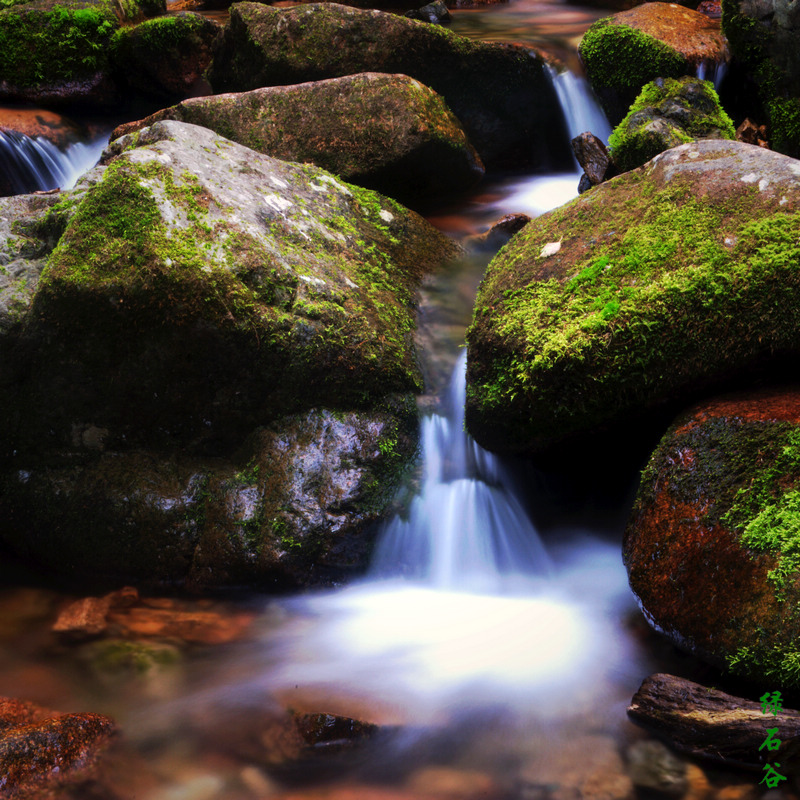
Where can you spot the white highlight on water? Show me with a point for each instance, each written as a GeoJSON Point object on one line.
{"type": "Point", "coordinates": [36, 164]}
{"type": "Point", "coordinates": [581, 112]}
{"type": "Point", "coordinates": [482, 614]}
{"type": "Point", "coordinates": [466, 529]}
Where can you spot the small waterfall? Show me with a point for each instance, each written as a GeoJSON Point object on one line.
{"type": "Point", "coordinates": [466, 530]}
{"type": "Point", "coordinates": [579, 105]}
{"type": "Point", "coordinates": [32, 164]}
{"type": "Point", "coordinates": [713, 71]}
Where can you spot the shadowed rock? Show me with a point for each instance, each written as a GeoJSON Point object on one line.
{"type": "Point", "coordinates": [385, 132]}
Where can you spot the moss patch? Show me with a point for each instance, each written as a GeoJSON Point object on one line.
{"type": "Point", "coordinates": [65, 42]}
{"type": "Point", "coordinates": [666, 113]}
{"type": "Point", "coordinates": [619, 60]}
{"type": "Point", "coordinates": [631, 308]}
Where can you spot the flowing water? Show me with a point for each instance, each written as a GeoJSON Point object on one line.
{"type": "Point", "coordinates": [493, 644]}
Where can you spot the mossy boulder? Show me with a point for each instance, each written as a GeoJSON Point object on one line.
{"type": "Point", "coordinates": [763, 38]}
{"type": "Point", "coordinates": [712, 544]}
{"type": "Point", "coordinates": [623, 52]}
{"type": "Point", "coordinates": [200, 298]}
{"type": "Point", "coordinates": [642, 292]}
{"type": "Point", "coordinates": [668, 112]}
{"type": "Point", "coordinates": [500, 93]}
{"type": "Point", "coordinates": [56, 53]}
{"type": "Point", "coordinates": [385, 132]}
{"type": "Point", "coordinates": [165, 58]}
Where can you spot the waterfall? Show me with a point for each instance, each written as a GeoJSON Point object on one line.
{"type": "Point", "coordinates": [466, 530]}
{"type": "Point", "coordinates": [579, 106]}
{"type": "Point", "coordinates": [35, 164]}
{"type": "Point", "coordinates": [713, 71]}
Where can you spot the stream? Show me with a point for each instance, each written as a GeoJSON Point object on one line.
{"type": "Point", "coordinates": [492, 643]}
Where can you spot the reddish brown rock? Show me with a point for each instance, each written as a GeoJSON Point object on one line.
{"type": "Point", "coordinates": [54, 127]}
{"type": "Point", "coordinates": [182, 620]}
{"type": "Point", "coordinates": [39, 748]}
{"type": "Point", "coordinates": [696, 37]}
{"type": "Point", "coordinates": [623, 52]}
{"type": "Point", "coordinates": [710, 545]}
{"type": "Point", "coordinates": [594, 157]}
{"type": "Point", "coordinates": [750, 133]}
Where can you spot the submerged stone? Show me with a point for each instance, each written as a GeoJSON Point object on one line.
{"type": "Point", "coordinates": [642, 292]}
{"type": "Point", "coordinates": [385, 132]}
{"type": "Point", "coordinates": [711, 546]}
{"type": "Point", "coordinates": [500, 93]}
{"type": "Point", "coordinates": [668, 112]}
{"type": "Point", "coordinates": [41, 749]}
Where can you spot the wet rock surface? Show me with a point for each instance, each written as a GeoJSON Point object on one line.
{"type": "Point", "coordinates": [500, 93]}
{"type": "Point", "coordinates": [40, 749]}
{"type": "Point", "coordinates": [385, 132]}
{"type": "Point", "coordinates": [709, 546]}
{"type": "Point", "coordinates": [612, 304]}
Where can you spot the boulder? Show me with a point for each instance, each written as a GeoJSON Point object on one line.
{"type": "Point", "coordinates": [668, 112]}
{"type": "Point", "coordinates": [385, 132]}
{"type": "Point", "coordinates": [57, 54]}
{"type": "Point", "coordinates": [436, 13]}
{"type": "Point", "coordinates": [165, 58]}
{"type": "Point", "coordinates": [763, 38]}
{"type": "Point", "coordinates": [594, 159]}
{"type": "Point", "coordinates": [623, 52]}
{"type": "Point", "coordinates": [41, 749]}
{"type": "Point", "coordinates": [711, 546]}
{"type": "Point", "coordinates": [641, 293]}
{"type": "Point", "coordinates": [218, 362]}
{"type": "Point", "coordinates": [500, 93]}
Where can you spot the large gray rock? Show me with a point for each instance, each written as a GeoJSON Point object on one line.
{"type": "Point", "coordinates": [645, 290]}
{"type": "Point", "coordinates": [386, 132]}
{"type": "Point", "coordinates": [200, 295]}
{"type": "Point", "coordinates": [501, 93]}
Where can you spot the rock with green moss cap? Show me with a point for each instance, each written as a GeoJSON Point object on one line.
{"type": "Point", "coordinates": [668, 112]}
{"type": "Point", "coordinates": [712, 544]}
{"type": "Point", "coordinates": [500, 93]}
{"type": "Point", "coordinates": [385, 132]}
{"type": "Point", "coordinates": [642, 292]}
{"type": "Point", "coordinates": [763, 38]}
{"type": "Point", "coordinates": [165, 58]}
{"type": "Point", "coordinates": [56, 52]}
{"type": "Point", "coordinates": [222, 348]}
{"type": "Point", "coordinates": [654, 40]}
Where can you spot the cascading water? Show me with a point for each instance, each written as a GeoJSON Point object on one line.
{"type": "Point", "coordinates": [466, 529]}
{"type": "Point", "coordinates": [33, 164]}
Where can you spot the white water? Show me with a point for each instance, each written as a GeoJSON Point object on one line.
{"type": "Point", "coordinates": [483, 617]}
{"type": "Point", "coordinates": [581, 112]}
{"type": "Point", "coordinates": [465, 608]}
{"type": "Point", "coordinates": [36, 164]}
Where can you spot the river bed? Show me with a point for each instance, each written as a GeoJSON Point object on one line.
{"type": "Point", "coordinates": [495, 644]}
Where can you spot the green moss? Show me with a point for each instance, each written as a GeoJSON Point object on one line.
{"type": "Point", "coordinates": [777, 663]}
{"type": "Point", "coordinates": [619, 60]}
{"type": "Point", "coordinates": [634, 141]}
{"type": "Point", "coordinates": [54, 45]}
{"type": "Point", "coordinates": [661, 274]}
